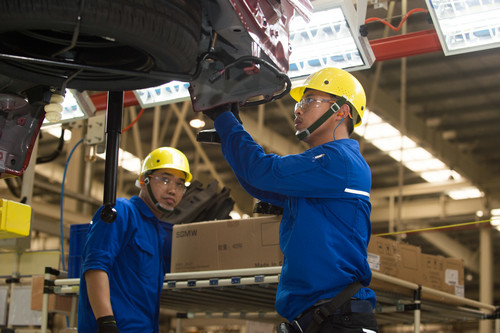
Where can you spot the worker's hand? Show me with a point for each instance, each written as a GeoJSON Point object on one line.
{"type": "Point", "coordinates": [216, 111]}
{"type": "Point", "coordinates": [107, 324]}
{"type": "Point", "coordinates": [213, 113]}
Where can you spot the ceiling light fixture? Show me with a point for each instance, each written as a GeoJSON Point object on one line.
{"type": "Point", "coordinates": [330, 39]}
{"type": "Point", "coordinates": [466, 25]}
{"type": "Point", "coordinates": [171, 92]}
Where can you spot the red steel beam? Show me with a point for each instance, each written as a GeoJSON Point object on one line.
{"type": "Point", "coordinates": [388, 48]}
{"type": "Point", "coordinates": [100, 100]}
{"type": "Point", "coordinates": [406, 45]}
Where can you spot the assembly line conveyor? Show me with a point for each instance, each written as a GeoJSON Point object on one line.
{"type": "Point", "coordinates": [249, 294]}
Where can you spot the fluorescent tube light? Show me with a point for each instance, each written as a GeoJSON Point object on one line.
{"type": "Point", "coordinates": [330, 39]}
{"type": "Point", "coordinates": [465, 193]}
{"type": "Point", "coordinates": [411, 154]}
{"type": "Point", "coordinates": [388, 144]}
{"type": "Point", "coordinates": [466, 25]}
{"type": "Point", "coordinates": [171, 92]}
{"type": "Point", "coordinates": [403, 149]}
{"type": "Point", "coordinates": [425, 164]}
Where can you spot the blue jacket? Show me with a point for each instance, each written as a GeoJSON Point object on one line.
{"type": "Point", "coordinates": [135, 252]}
{"type": "Point", "coordinates": [325, 228]}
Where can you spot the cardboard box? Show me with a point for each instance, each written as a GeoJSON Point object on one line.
{"type": "Point", "coordinates": [410, 265]}
{"type": "Point", "coordinates": [454, 278]}
{"type": "Point", "coordinates": [226, 244]}
{"type": "Point", "coordinates": [444, 274]}
{"type": "Point", "coordinates": [395, 259]}
{"type": "Point", "coordinates": [57, 303]}
{"type": "Point", "coordinates": [382, 255]}
{"type": "Point", "coordinates": [432, 271]}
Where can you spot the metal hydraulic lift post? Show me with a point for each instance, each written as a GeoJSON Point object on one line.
{"type": "Point", "coordinates": [114, 115]}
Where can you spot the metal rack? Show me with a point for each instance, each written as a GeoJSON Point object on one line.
{"type": "Point", "coordinates": [249, 294]}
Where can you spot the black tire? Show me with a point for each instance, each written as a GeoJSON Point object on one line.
{"type": "Point", "coordinates": [147, 36]}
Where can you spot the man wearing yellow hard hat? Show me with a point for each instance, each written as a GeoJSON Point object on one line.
{"type": "Point", "coordinates": [324, 193]}
{"type": "Point", "coordinates": [124, 262]}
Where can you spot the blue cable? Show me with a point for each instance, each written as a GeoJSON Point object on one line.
{"type": "Point", "coordinates": [337, 126]}
{"type": "Point", "coordinates": [62, 203]}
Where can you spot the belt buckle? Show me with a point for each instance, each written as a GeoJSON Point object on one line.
{"type": "Point", "coordinates": [308, 317]}
{"type": "Point", "coordinates": [297, 326]}
{"type": "Point", "coordinates": [304, 318]}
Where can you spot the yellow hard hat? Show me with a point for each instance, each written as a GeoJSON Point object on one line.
{"type": "Point", "coordinates": [337, 82]}
{"type": "Point", "coordinates": [169, 158]}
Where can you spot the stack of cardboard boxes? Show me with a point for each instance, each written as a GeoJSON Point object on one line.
{"type": "Point", "coordinates": [445, 274]}
{"type": "Point", "coordinates": [254, 242]}
{"type": "Point", "coordinates": [406, 262]}
{"type": "Point", "coordinates": [395, 259]}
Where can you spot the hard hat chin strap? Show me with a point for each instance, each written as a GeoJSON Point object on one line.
{"type": "Point", "coordinates": [153, 198]}
{"type": "Point", "coordinates": [301, 135]}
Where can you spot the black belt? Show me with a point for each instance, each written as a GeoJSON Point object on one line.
{"type": "Point", "coordinates": [302, 322]}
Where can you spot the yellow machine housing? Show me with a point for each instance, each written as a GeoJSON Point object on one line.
{"type": "Point", "coordinates": [15, 219]}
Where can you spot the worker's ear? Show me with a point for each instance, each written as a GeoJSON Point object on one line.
{"type": "Point", "coordinates": [345, 110]}
{"type": "Point", "coordinates": [139, 183]}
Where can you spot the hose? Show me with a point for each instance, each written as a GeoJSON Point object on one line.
{"type": "Point", "coordinates": [62, 204]}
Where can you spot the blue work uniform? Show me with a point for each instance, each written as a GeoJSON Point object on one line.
{"type": "Point", "coordinates": [135, 253]}
{"type": "Point", "coordinates": [325, 228]}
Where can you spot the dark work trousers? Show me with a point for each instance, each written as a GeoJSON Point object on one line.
{"type": "Point", "coordinates": [353, 316]}
{"type": "Point", "coordinates": [350, 323]}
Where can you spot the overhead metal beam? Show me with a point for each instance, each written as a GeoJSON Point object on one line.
{"type": "Point", "coordinates": [427, 209]}
{"type": "Point", "coordinates": [55, 171]}
{"type": "Point", "coordinates": [45, 213]}
{"type": "Point", "coordinates": [419, 189]}
{"type": "Point", "coordinates": [81, 197]}
{"type": "Point", "coordinates": [50, 226]}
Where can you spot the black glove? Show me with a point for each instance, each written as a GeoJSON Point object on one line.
{"type": "Point", "coordinates": [216, 111]}
{"type": "Point", "coordinates": [107, 324]}
{"type": "Point", "coordinates": [213, 113]}
{"type": "Point", "coordinates": [210, 135]}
